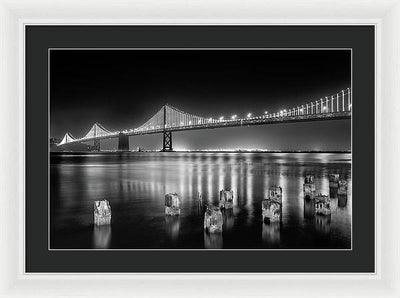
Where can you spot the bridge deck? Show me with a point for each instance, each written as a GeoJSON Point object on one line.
{"type": "Point", "coordinates": [230, 123]}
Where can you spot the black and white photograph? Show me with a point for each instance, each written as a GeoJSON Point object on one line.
{"type": "Point", "coordinates": [200, 149]}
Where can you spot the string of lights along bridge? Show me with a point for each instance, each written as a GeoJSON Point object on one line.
{"type": "Point", "coordinates": [169, 119]}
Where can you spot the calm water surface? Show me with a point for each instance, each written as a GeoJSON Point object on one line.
{"type": "Point", "coordinates": [135, 185]}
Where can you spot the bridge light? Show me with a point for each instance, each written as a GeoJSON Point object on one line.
{"type": "Point", "coordinates": [248, 115]}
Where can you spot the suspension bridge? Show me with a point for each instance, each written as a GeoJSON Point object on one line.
{"type": "Point", "coordinates": [170, 119]}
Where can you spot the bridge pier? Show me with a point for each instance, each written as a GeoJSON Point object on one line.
{"type": "Point", "coordinates": [123, 142]}
{"type": "Point", "coordinates": [167, 142]}
{"type": "Point", "coordinates": [96, 145]}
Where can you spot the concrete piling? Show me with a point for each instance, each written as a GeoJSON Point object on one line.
{"type": "Point", "coordinates": [172, 204]}
{"type": "Point", "coordinates": [342, 189]}
{"type": "Point", "coordinates": [226, 199]}
{"type": "Point", "coordinates": [309, 187]}
{"type": "Point", "coordinates": [342, 194]}
{"type": "Point", "coordinates": [333, 185]}
{"type": "Point", "coordinates": [333, 180]}
{"type": "Point", "coordinates": [102, 213]}
{"type": "Point", "coordinates": [272, 206]}
{"type": "Point", "coordinates": [213, 220]}
{"type": "Point", "coordinates": [275, 193]}
{"type": "Point", "coordinates": [322, 205]}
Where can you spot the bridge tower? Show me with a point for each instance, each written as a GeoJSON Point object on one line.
{"type": "Point", "coordinates": [167, 135]}
{"type": "Point", "coordinates": [123, 142]}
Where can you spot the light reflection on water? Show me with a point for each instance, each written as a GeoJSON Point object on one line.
{"type": "Point", "coordinates": [101, 236]}
{"type": "Point", "coordinates": [135, 185]}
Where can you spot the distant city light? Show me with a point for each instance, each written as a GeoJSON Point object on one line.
{"type": "Point", "coordinates": [181, 123]}
{"type": "Point", "coordinates": [190, 122]}
{"type": "Point", "coordinates": [233, 117]}
{"type": "Point", "coordinates": [210, 119]}
{"type": "Point", "coordinates": [248, 115]}
{"type": "Point", "coordinates": [266, 112]}
{"type": "Point", "coordinates": [221, 118]}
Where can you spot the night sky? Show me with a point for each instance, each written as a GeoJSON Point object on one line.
{"type": "Point", "coordinates": [122, 89]}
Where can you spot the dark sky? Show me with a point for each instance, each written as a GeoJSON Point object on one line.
{"type": "Point", "coordinates": [122, 89]}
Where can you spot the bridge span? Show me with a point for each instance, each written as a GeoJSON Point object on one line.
{"type": "Point", "coordinates": [170, 119]}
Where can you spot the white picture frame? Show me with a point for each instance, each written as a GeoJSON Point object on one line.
{"type": "Point", "coordinates": [14, 15]}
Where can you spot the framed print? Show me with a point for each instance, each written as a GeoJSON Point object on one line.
{"type": "Point", "coordinates": [212, 196]}
{"type": "Point", "coordinates": [65, 73]}
{"type": "Point", "coordinates": [241, 149]}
